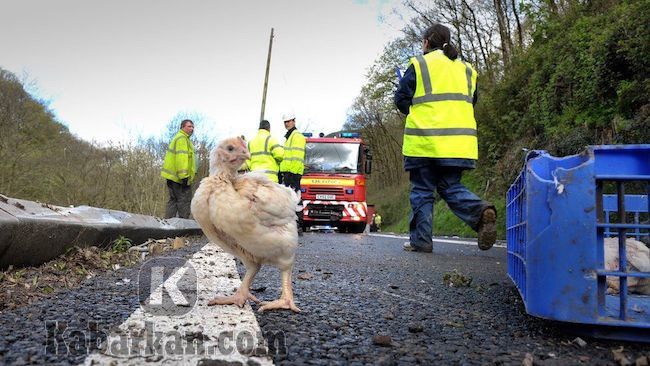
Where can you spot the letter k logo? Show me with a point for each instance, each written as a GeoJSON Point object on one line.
{"type": "Point", "coordinates": [167, 286]}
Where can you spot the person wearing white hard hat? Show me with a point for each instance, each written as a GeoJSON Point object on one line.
{"type": "Point", "coordinates": [293, 164]}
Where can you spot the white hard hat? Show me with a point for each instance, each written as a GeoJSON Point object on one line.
{"type": "Point", "coordinates": [288, 116]}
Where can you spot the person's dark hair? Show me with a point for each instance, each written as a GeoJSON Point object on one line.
{"type": "Point", "coordinates": [264, 124]}
{"type": "Point", "coordinates": [186, 121]}
{"type": "Point", "coordinates": [439, 37]}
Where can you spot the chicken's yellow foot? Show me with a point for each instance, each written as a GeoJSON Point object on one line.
{"type": "Point", "coordinates": [286, 299]}
{"type": "Point", "coordinates": [279, 304]}
{"type": "Point", "coordinates": [238, 298]}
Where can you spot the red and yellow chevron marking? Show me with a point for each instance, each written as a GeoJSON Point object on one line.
{"type": "Point", "coordinates": [351, 208]}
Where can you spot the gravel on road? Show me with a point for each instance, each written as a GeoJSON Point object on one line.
{"type": "Point", "coordinates": [366, 301]}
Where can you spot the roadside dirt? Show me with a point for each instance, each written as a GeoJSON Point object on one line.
{"type": "Point", "coordinates": [24, 286]}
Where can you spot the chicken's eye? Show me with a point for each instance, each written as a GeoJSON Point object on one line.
{"type": "Point", "coordinates": [230, 148]}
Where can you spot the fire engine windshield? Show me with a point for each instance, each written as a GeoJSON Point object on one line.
{"type": "Point", "coordinates": [321, 157]}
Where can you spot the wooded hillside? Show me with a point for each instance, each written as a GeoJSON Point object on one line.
{"type": "Point", "coordinates": [553, 75]}
{"type": "Point", "coordinates": [41, 160]}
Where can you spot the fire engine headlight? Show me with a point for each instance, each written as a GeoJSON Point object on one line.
{"type": "Point", "coordinates": [349, 191]}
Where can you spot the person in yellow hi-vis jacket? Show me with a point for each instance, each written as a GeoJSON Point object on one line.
{"type": "Point", "coordinates": [293, 165]}
{"type": "Point", "coordinates": [377, 221]}
{"type": "Point", "coordinates": [266, 153]}
{"type": "Point", "coordinates": [179, 169]}
{"type": "Point", "coordinates": [438, 93]}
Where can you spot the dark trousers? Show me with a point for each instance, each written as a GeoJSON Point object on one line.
{"type": "Point", "coordinates": [290, 180]}
{"type": "Point", "coordinates": [446, 180]}
{"type": "Point", "coordinates": [293, 180]}
{"type": "Point", "coordinates": [180, 197]}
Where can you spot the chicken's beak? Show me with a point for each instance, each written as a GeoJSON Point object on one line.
{"type": "Point", "coordinates": [246, 154]}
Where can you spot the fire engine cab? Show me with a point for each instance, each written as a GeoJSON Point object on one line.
{"type": "Point", "coordinates": [333, 184]}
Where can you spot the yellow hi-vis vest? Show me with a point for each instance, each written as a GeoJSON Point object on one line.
{"type": "Point", "coordinates": [441, 123]}
{"type": "Point", "coordinates": [294, 154]}
{"type": "Point", "coordinates": [266, 152]}
{"type": "Point", "coordinates": [179, 159]}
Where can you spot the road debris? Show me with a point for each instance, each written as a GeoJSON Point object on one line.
{"type": "Point", "coordinates": [579, 342]}
{"type": "Point", "coordinates": [178, 243]}
{"type": "Point", "coordinates": [415, 328]}
{"type": "Point", "coordinates": [528, 360]}
{"type": "Point", "coordinates": [382, 340]}
{"type": "Point", "coordinates": [620, 357]}
{"type": "Point", "coordinates": [456, 279]}
{"type": "Point", "coordinates": [24, 286]}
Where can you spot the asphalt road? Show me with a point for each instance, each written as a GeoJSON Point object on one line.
{"type": "Point", "coordinates": [364, 301]}
{"type": "Point", "coordinates": [359, 287]}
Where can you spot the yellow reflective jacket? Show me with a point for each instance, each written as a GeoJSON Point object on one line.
{"type": "Point", "coordinates": [441, 123]}
{"type": "Point", "coordinates": [378, 219]}
{"type": "Point", "coordinates": [294, 154]}
{"type": "Point", "coordinates": [179, 160]}
{"type": "Point", "coordinates": [266, 153]}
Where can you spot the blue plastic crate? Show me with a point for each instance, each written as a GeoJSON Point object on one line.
{"type": "Point", "coordinates": [557, 216]}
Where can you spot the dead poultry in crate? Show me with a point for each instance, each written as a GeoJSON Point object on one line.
{"type": "Point", "coordinates": [638, 260]}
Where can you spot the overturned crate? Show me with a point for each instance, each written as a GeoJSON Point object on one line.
{"type": "Point", "coordinates": [559, 212]}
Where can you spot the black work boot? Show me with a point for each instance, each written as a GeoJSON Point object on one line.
{"type": "Point", "coordinates": [487, 229]}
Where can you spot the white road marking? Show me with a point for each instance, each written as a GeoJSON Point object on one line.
{"type": "Point", "coordinates": [225, 333]}
{"type": "Point", "coordinates": [451, 241]}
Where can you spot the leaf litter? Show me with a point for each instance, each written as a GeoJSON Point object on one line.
{"type": "Point", "coordinates": [24, 286]}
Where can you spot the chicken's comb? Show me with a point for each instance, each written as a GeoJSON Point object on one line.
{"type": "Point", "coordinates": [242, 142]}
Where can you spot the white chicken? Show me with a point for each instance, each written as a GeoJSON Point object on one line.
{"type": "Point", "coordinates": [249, 217]}
{"type": "Point", "coordinates": [638, 260]}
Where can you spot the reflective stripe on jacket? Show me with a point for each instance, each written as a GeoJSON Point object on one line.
{"type": "Point", "coordinates": [179, 159]}
{"type": "Point", "coordinates": [266, 153]}
{"type": "Point", "coordinates": [441, 123]}
{"type": "Point", "coordinates": [294, 154]}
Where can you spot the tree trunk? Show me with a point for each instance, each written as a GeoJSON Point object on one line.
{"type": "Point", "coordinates": [478, 37]}
{"type": "Point", "coordinates": [520, 36]}
{"type": "Point", "coordinates": [503, 32]}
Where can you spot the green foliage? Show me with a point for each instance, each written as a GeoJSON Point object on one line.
{"type": "Point", "coordinates": [392, 203]}
{"type": "Point", "coordinates": [121, 244]}
{"type": "Point", "coordinates": [581, 78]}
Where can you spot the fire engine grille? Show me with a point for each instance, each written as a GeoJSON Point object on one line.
{"type": "Point", "coordinates": [325, 190]}
{"type": "Point", "coordinates": [329, 212]}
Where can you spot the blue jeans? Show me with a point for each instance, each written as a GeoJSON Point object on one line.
{"type": "Point", "coordinates": [446, 180]}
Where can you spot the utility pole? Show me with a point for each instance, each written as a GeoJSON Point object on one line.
{"type": "Point", "coordinates": [266, 78]}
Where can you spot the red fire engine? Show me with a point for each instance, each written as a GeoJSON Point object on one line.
{"type": "Point", "coordinates": [334, 182]}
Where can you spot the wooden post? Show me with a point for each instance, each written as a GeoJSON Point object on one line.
{"type": "Point", "coordinates": [266, 77]}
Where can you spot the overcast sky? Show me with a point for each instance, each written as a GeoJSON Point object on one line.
{"type": "Point", "coordinates": [116, 69]}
